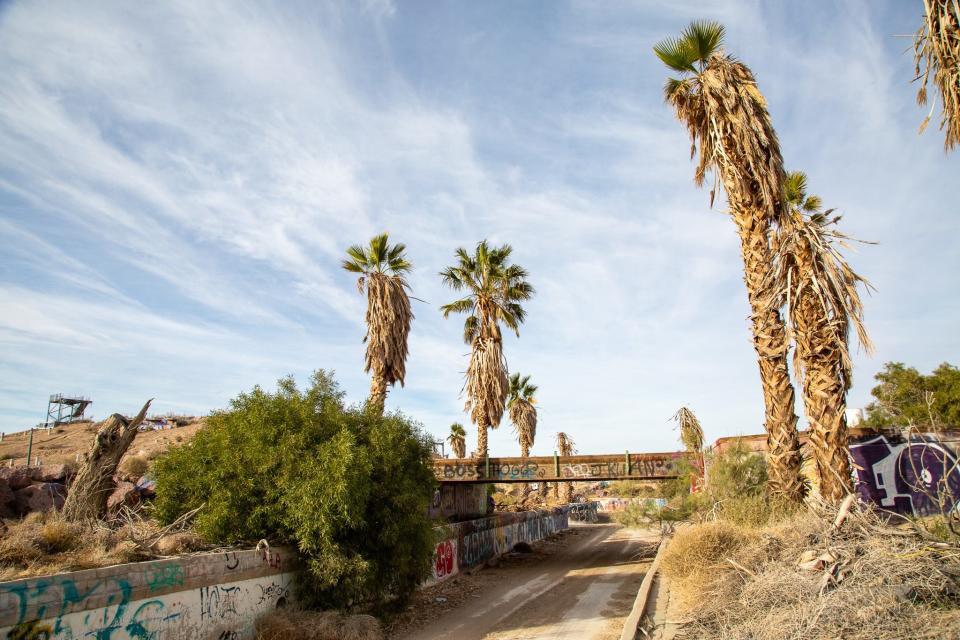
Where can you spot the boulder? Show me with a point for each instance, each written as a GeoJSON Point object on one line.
{"type": "Point", "coordinates": [50, 473]}
{"type": "Point", "coordinates": [16, 477]}
{"type": "Point", "coordinates": [43, 496]}
{"type": "Point", "coordinates": [8, 501]}
{"type": "Point", "coordinates": [125, 494]}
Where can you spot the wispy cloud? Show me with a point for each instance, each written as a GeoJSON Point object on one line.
{"type": "Point", "coordinates": [178, 181]}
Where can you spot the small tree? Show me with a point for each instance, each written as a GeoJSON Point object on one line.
{"type": "Point", "coordinates": [905, 397]}
{"type": "Point", "coordinates": [349, 487]}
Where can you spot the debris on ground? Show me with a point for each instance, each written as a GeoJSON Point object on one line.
{"type": "Point", "coordinates": [804, 577]}
{"type": "Point", "coordinates": [296, 624]}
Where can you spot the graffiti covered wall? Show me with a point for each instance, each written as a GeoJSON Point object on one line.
{"type": "Point", "coordinates": [214, 595]}
{"type": "Point", "coordinates": [914, 474]}
{"type": "Point", "coordinates": [471, 543]}
{"type": "Point", "coordinates": [459, 501]}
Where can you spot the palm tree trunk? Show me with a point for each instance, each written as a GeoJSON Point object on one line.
{"type": "Point", "coordinates": [770, 342]}
{"type": "Point", "coordinates": [524, 453]}
{"type": "Point", "coordinates": [482, 440]}
{"type": "Point", "coordinates": [378, 393]}
{"type": "Point", "coordinates": [824, 399]}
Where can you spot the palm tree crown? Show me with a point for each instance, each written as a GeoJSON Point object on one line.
{"type": "Point", "coordinates": [726, 117]}
{"type": "Point", "coordinates": [937, 50]}
{"type": "Point", "coordinates": [382, 268]}
{"type": "Point", "coordinates": [458, 440]}
{"type": "Point", "coordinates": [495, 288]}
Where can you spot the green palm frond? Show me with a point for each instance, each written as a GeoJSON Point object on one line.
{"type": "Point", "coordinates": [677, 54]}
{"type": "Point", "coordinates": [704, 37]}
{"type": "Point", "coordinates": [700, 40]}
{"type": "Point", "coordinates": [457, 430]}
{"type": "Point", "coordinates": [377, 257]}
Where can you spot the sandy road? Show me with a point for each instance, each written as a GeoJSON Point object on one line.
{"type": "Point", "coordinates": [584, 591]}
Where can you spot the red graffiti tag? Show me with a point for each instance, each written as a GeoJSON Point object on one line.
{"type": "Point", "coordinates": [445, 559]}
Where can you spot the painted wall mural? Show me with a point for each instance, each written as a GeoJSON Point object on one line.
{"type": "Point", "coordinates": [209, 596]}
{"type": "Point", "coordinates": [916, 475]}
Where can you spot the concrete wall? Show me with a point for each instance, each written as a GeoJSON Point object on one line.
{"type": "Point", "coordinates": [214, 595]}
{"type": "Point", "coordinates": [217, 595]}
{"type": "Point", "coordinates": [459, 501]}
{"type": "Point", "coordinates": [471, 543]}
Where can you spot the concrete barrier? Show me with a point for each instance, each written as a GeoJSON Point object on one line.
{"type": "Point", "coordinates": [215, 595]}
{"type": "Point", "coordinates": [218, 595]}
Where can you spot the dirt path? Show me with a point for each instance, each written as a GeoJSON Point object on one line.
{"type": "Point", "coordinates": [582, 587]}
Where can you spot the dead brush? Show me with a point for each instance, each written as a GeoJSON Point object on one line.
{"type": "Point", "coordinates": [807, 577]}
{"type": "Point", "coordinates": [46, 543]}
{"type": "Point", "coordinates": [297, 624]}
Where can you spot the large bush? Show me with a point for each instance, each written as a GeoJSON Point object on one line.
{"type": "Point", "coordinates": [348, 487]}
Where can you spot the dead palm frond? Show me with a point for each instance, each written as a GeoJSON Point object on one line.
{"type": "Point", "coordinates": [936, 49]}
{"type": "Point", "coordinates": [691, 433]}
{"type": "Point", "coordinates": [732, 135]}
{"type": "Point", "coordinates": [565, 444]}
{"type": "Point", "coordinates": [495, 288]}
{"type": "Point", "coordinates": [382, 268]}
{"type": "Point", "coordinates": [458, 440]}
{"type": "Point", "coordinates": [819, 290]}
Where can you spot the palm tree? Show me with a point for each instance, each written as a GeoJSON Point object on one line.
{"type": "Point", "coordinates": [523, 415]}
{"type": "Point", "coordinates": [494, 290]}
{"type": "Point", "coordinates": [727, 119]}
{"type": "Point", "coordinates": [458, 440]}
{"type": "Point", "coordinates": [936, 49]}
{"type": "Point", "coordinates": [819, 289]}
{"type": "Point", "coordinates": [382, 268]}
{"type": "Point", "coordinates": [566, 447]}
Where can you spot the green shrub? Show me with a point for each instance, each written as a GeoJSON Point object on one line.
{"type": "Point", "coordinates": [756, 510]}
{"type": "Point", "coordinates": [634, 489]}
{"type": "Point", "coordinates": [348, 487]}
{"type": "Point", "coordinates": [735, 473]}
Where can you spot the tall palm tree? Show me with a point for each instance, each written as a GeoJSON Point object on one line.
{"type": "Point", "coordinates": [565, 447]}
{"type": "Point", "coordinates": [458, 440]}
{"type": "Point", "coordinates": [936, 49]}
{"type": "Point", "coordinates": [819, 289]}
{"type": "Point", "coordinates": [523, 415]}
{"type": "Point", "coordinates": [494, 290]}
{"type": "Point", "coordinates": [382, 270]}
{"type": "Point", "coordinates": [727, 119]}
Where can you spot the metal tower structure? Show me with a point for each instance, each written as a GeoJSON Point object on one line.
{"type": "Point", "coordinates": [63, 409]}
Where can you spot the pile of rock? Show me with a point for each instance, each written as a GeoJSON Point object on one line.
{"type": "Point", "coordinates": [27, 489]}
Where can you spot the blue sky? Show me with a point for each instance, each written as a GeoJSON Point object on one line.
{"type": "Point", "coordinates": [178, 182]}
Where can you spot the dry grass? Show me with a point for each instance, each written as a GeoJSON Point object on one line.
{"type": "Point", "coordinates": [294, 624]}
{"type": "Point", "coordinates": [134, 467]}
{"type": "Point", "coordinates": [45, 543]}
{"type": "Point", "coordinates": [800, 578]}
